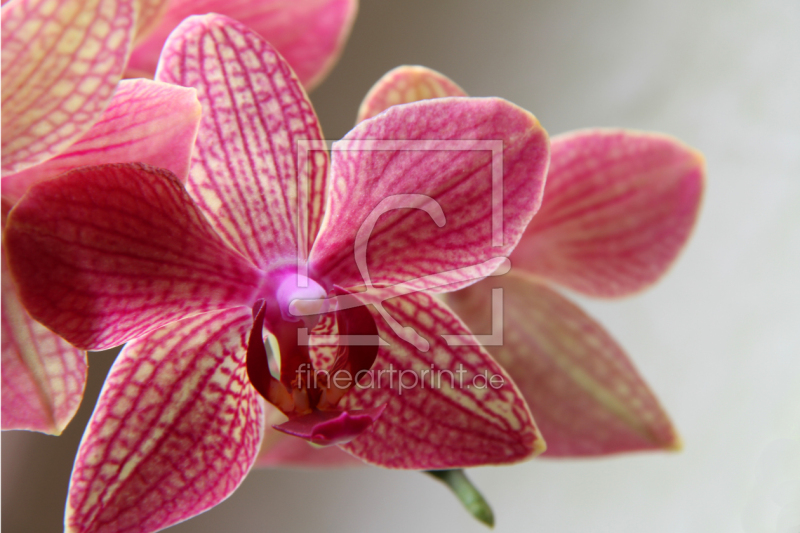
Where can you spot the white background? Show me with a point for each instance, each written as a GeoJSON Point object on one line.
{"type": "Point", "coordinates": [718, 339]}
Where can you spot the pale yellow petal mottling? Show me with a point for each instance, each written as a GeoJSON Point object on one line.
{"type": "Point", "coordinates": [144, 372]}
{"type": "Point", "coordinates": [423, 92]}
{"type": "Point", "coordinates": [73, 103]}
{"type": "Point", "coordinates": [394, 97]}
{"type": "Point", "coordinates": [48, 8]}
{"type": "Point", "coordinates": [100, 29]}
{"type": "Point", "coordinates": [48, 46]}
{"type": "Point", "coordinates": [116, 38]}
{"type": "Point", "coordinates": [108, 429]}
{"type": "Point", "coordinates": [121, 407]}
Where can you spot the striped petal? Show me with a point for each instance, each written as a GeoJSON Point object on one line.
{"type": "Point", "coordinates": [176, 428]}
{"type": "Point", "coordinates": [403, 85]}
{"type": "Point", "coordinates": [147, 122]}
{"type": "Point", "coordinates": [309, 34]}
{"type": "Point", "coordinates": [431, 187]}
{"type": "Point", "coordinates": [279, 450]}
{"type": "Point", "coordinates": [618, 208]}
{"type": "Point", "coordinates": [43, 377]}
{"type": "Point", "coordinates": [60, 64]}
{"type": "Point", "coordinates": [244, 172]}
{"type": "Point", "coordinates": [587, 396]}
{"type": "Point", "coordinates": [102, 255]}
{"type": "Point", "coordinates": [447, 406]}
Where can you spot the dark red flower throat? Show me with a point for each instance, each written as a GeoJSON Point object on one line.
{"type": "Point", "coordinates": [309, 396]}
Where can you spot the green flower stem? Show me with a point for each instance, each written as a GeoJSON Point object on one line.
{"type": "Point", "coordinates": [469, 496]}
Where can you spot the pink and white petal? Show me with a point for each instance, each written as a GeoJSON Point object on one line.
{"type": "Point", "coordinates": [60, 64]}
{"type": "Point", "coordinates": [279, 450]}
{"type": "Point", "coordinates": [43, 377]}
{"type": "Point", "coordinates": [102, 255]}
{"type": "Point", "coordinates": [456, 406]}
{"type": "Point", "coordinates": [619, 207]}
{"type": "Point", "coordinates": [244, 174]}
{"type": "Point", "coordinates": [176, 429]}
{"type": "Point", "coordinates": [431, 187]}
{"type": "Point", "coordinates": [309, 34]}
{"type": "Point", "coordinates": [587, 396]}
{"type": "Point", "coordinates": [146, 122]}
{"type": "Point", "coordinates": [403, 85]}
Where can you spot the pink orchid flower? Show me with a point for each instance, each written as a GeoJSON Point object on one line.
{"type": "Point", "coordinates": [195, 275]}
{"type": "Point", "coordinates": [618, 207]}
{"type": "Point", "coordinates": [43, 376]}
{"type": "Point", "coordinates": [61, 61]}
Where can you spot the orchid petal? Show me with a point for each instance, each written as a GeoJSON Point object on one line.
{"type": "Point", "coordinates": [282, 450]}
{"type": "Point", "coordinates": [331, 427]}
{"type": "Point", "coordinates": [244, 171]}
{"type": "Point", "coordinates": [309, 34]}
{"type": "Point", "coordinates": [587, 396]}
{"type": "Point", "coordinates": [60, 64]}
{"type": "Point", "coordinates": [618, 208]}
{"type": "Point", "coordinates": [102, 255]}
{"type": "Point", "coordinates": [176, 428]}
{"type": "Point", "coordinates": [443, 409]}
{"type": "Point", "coordinates": [474, 167]}
{"type": "Point", "coordinates": [43, 377]}
{"type": "Point", "coordinates": [146, 122]}
{"type": "Point", "coordinates": [403, 85]}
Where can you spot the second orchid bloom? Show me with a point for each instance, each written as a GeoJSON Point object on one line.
{"type": "Point", "coordinates": [618, 208]}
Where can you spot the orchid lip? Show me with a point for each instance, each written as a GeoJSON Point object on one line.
{"type": "Point", "coordinates": [325, 428]}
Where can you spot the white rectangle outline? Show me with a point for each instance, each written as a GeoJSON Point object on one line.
{"type": "Point", "coordinates": [495, 146]}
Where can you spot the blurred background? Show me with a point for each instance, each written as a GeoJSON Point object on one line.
{"type": "Point", "coordinates": [718, 339]}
